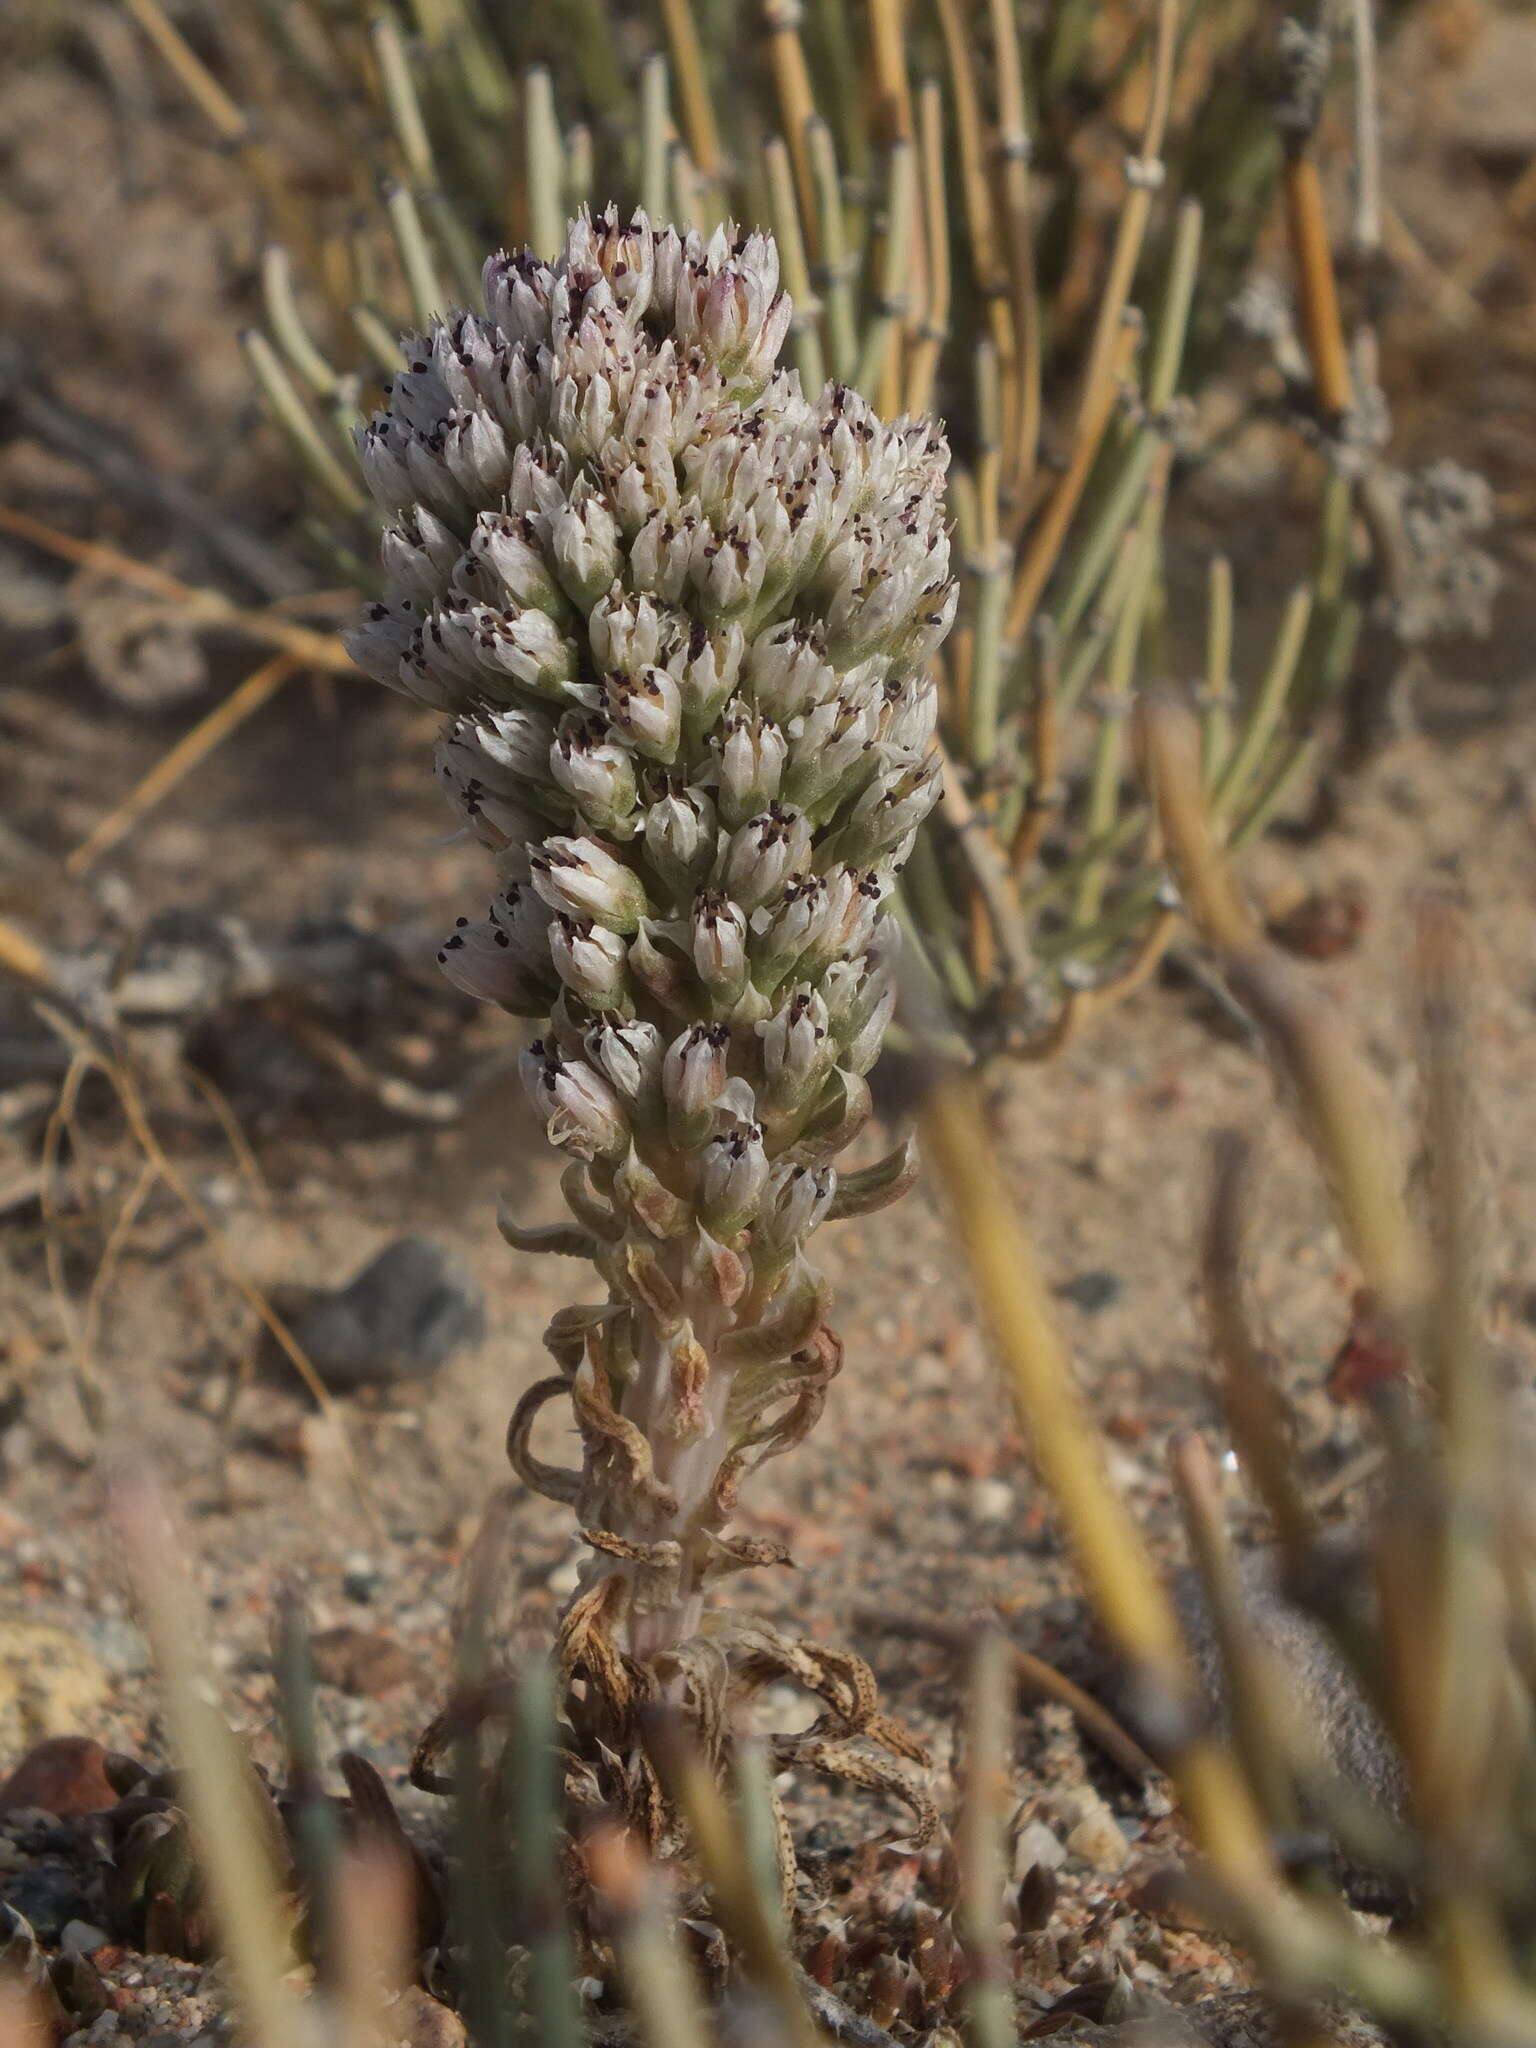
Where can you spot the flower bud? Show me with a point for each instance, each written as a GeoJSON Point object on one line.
{"type": "Point", "coordinates": [591, 962]}
{"type": "Point", "coordinates": [595, 772]}
{"type": "Point", "coordinates": [419, 555]}
{"type": "Point", "coordinates": [662, 554]}
{"type": "Point", "coordinates": [476, 454]}
{"type": "Point", "coordinates": [796, 1199]}
{"type": "Point", "coordinates": [504, 958]}
{"type": "Point", "coordinates": [797, 1050]}
{"type": "Point", "coordinates": [752, 755]}
{"type": "Point", "coordinates": [706, 670]}
{"type": "Point", "coordinates": [693, 1074]}
{"type": "Point", "coordinates": [680, 840]}
{"type": "Point", "coordinates": [853, 905]}
{"type": "Point", "coordinates": [862, 1048]}
{"type": "Point", "coordinates": [510, 554]}
{"type": "Point", "coordinates": [584, 880]}
{"type": "Point", "coordinates": [890, 808]}
{"type": "Point", "coordinates": [909, 716]}
{"type": "Point", "coordinates": [734, 1177]}
{"type": "Point", "coordinates": [798, 921]}
{"type": "Point", "coordinates": [491, 798]}
{"type": "Point", "coordinates": [788, 673]}
{"type": "Point", "coordinates": [763, 854]}
{"type": "Point", "coordinates": [626, 632]}
{"type": "Point", "coordinates": [627, 258]}
{"type": "Point", "coordinates": [629, 1054]}
{"type": "Point", "coordinates": [648, 711]}
{"type": "Point", "coordinates": [380, 641]}
{"type": "Point", "coordinates": [720, 945]}
{"type": "Point", "coordinates": [581, 1112]}
{"type": "Point", "coordinates": [828, 744]}
{"type": "Point", "coordinates": [518, 290]}
{"type": "Point", "coordinates": [529, 647]}
{"type": "Point", "coordinates": [584, 541]}
{"type": "Point", "coordinates": [728, 568]}
{"type": "Point", "coordinates": [515, 743]}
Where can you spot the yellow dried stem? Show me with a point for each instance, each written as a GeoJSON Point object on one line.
{"type": "Point", "coordinates": [888, 52]}
{"type": "Point", "coordinates": [934, 329]}
{"type": "Point", "coordinates": [1046, 537]}
{"type": "Point", "coordinates": [976, 189]}
{"type": "Point", "coordinates": [1334, 1092]}
{"type": "Point", "coordinates": [1126, 1592]}
{"type": "Point", "coordinates": [196, 606]}
{"type": "Point", "coordinates": [797, 104]}
{"type": "Point", "coordinates": [178, 762]}
{"type": "Point", "coordinates": [192, 74]}
{"type": "Point", "coordinates": [692, 88]}
{"type": "Point", "coordinates": [1013, 149]}
{"type": "Point", "coordinates": [1321, 326]}
{"type": "Point", "coordinates": [804, 330]}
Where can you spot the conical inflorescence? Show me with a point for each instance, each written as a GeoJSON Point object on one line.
{"type": "Point", "coordinates": [679, 617]}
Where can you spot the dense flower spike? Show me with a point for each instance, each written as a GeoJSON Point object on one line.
{"type": "Point", "coordinates": [679, 615]}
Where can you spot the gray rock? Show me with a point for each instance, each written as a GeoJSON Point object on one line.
{"type": "Point", "coordinates": [409, 1310]}
{"type": "Point", "coordinates": [49, 1896]}
{"type": "Point", "coordinates": [1093, 1291]}
{"type": "Point", "coordinates": [80, 1938]}
{"type": "Point", "coordinates": [121, 1647]}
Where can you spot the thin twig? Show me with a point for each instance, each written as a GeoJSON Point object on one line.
{"type": "Point", "coordinates": [189, 752]}
{"type": "Point", "coordinates": [197, 606]}
{"type": "Point", "coordinates": [1035, 1678]}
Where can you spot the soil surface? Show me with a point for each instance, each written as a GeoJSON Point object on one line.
{"type": "Point", "coordinates": [306, 1131]}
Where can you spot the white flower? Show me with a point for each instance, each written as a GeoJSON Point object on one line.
{"type": "Point", "coordinates": [679, 613]}
{"type": "Point", "coordinates": [583, 879]}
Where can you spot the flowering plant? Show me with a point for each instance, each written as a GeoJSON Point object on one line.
{"type": "Point", "coordinates": [679, 615]}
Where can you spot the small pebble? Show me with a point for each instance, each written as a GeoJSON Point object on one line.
{"type": "Point", "coordinates": [1037, 1844]}
{"type": "Point", "coordinates": [1092, 1292]}
{"type": "Point", "coordinates": [410, 1309]}
{"type": "Point", "coordinates": [991, 1500]}
{"type": "Point", "coordinates": [80, 1938]}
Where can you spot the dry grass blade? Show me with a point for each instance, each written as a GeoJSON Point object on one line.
{"type": "Point", "coordinates": [1035, 1680]}
{"type": "Point", "coordinates": [983, 1865]}
{"type": "Point", "coordinates": [174, 766]}
{"type": "Point", "coordinates": [744, 1907]}
{"type": "Point", "coordinates": [197, 606]}
{"type": "Point", "coordinates": [1333, 1090]}
{"type": "Point", "coordinates": [232, 1843]}
{"type": "Point", "coordinates": [1124, 1588]}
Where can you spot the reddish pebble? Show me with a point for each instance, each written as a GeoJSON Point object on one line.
{"type": "Point", "coordinates": [65, 1774]}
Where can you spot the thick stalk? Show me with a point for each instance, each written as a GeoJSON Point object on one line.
{"type": "Point", "coordinates": [664, 1608]}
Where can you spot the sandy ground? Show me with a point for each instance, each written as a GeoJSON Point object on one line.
{"type": "Point", "coordinates": [915, 1496]}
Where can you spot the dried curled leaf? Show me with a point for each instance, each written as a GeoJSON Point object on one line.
{"type": "Point", "coordinates": [587, 1206]}
{"type": "Point", "coordinates": [792, 1319]}
{"type": "Point", "coordinates": [562, 1238]}
{"type": "Point", "coordinates": [859, 1767]}
{"type": "Point", "coordinates": [615, 1440]}
{"type": "Point", "coordinates": [875, 1187]}
{"type": "Point", "coordinates": [555, 1482]}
